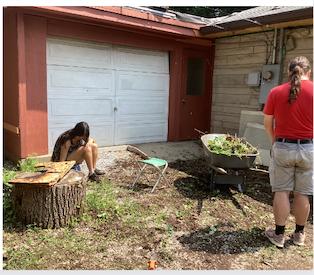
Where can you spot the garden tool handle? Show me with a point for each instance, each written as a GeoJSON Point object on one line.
{"type": "Point", "coordinates": [152, 261]}
{"type": "Point", "coordinates": [152, 264]}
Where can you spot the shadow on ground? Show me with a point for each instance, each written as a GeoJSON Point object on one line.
{"type": "Point", "coordinates": [227, 239]}
{"type": "Point", "coordinates": [195, 184]}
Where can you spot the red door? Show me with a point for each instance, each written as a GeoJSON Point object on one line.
{"type": "Point", "coordinates": [196, 94]}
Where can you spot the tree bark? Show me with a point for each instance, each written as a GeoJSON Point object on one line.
{"type": "Point", "coordinates": [50, 206]}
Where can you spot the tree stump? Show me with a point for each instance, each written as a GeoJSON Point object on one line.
{"type": "Point", "coordinates": [50, 206]}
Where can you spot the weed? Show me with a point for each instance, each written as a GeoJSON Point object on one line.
{"type": "Point", "coordinates": [160, 217]}
{"type": "Point", "coordinates": [289, 229]}
{"type": "Point", "coordinates": [28, 164]}
{"type": "Point", "coordinates": [73, 222]}
{"type": "Point", "coordinates": [32, 228]}
{"type": "Point", "coordinates": [269, 252]}
{"type": "Point", "coordinates": [211, 230]}
{"type": "Point", "coordinates": [169, 256]}
{"type": "Point", "coordinates": [187, 206]}
{"type": "Point", "coordinates": [180, 214]}
{"type": "Point", "coordinates": [169, 229]}
{"type": "Point", "coordinates": [102, 200]}
{"type": "Point", "coordinates": [25, 166]}
{"type": "Point", "coordinates": [7, 175]}
{"type": "Point", "coordinates": [307, 254]}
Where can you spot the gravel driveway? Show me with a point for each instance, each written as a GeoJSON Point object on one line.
{"type": "Point", "coordinates": [107, 159]}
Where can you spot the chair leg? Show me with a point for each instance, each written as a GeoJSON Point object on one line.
{"type": "Point", "coordinates": [156, 182]}
{"type": "Point", "coordinates": [143, 170]}
{"type": "Point", "coordinates": [161, 175]}
{"type": "Point", "coordinates": [164, 176]}
{"type": "Point", "coordinates": [140, 174]}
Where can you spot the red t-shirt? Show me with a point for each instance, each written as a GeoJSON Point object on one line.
{"type": "Point", "coordinates": [293, 121]}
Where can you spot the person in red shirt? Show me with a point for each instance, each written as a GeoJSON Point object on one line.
{"type": "Point", "coordinates": [290, 108]}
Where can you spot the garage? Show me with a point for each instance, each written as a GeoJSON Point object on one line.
{"type": "Point", "coordinates": [121, 92]}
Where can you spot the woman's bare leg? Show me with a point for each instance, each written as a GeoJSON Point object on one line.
{"type": "Point", "coordinates": [84, 152]}
{"type": "Point", "coordinates": [94, 148]}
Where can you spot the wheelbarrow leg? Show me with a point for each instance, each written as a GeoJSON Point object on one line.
{"type": "Point", "coordinates": [244, 183]}
{"type": "Point", "coordinates": [212, 180]}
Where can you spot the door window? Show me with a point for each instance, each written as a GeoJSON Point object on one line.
{"type": "Point", "coordinates": [195, 77]}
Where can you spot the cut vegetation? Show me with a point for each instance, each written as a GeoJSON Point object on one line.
{"type": "Point", "coordinates": [229, 145]}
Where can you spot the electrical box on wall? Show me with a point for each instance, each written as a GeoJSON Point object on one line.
{"type": "Point", "coordinates": [254, 78]}
{"type": "Point", "coordinates": [271, 77]}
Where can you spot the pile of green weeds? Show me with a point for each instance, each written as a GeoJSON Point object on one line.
{"type": "Point", "coordinates": [228, 145]}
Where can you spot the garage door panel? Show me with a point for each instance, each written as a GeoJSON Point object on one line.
{"type": "Point", "coordinates": [103, 132]}
{"type": "Point", "coordinates": [77, 94]}
{"type": "Point", "coordinates": [131, 132]}
{"type": "Point", "coordinates": [142, 84]}
{"type": "Point", "coordinates": [69, 109]}
{"type": "Point", "coordinates": [137, 59]}
{"type": "Point", "coordinates": [130, 108]}
{"type": "Point", "coordinates": [78, 78]}
{"type": "Point", "coordinates": [67, 79]}
{"type": "Point", "coordinates": [86, 54]}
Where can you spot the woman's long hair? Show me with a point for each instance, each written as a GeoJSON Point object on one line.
{"type": "Point", "coordinates": [298, 68]}
{"type": "Point", "coordinates": [80, 129]}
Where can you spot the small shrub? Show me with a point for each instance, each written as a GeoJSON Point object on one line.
{"type": "Point", "coordinates": [28, 165]}
{"type": "Point", "coordinates": [7, 198]}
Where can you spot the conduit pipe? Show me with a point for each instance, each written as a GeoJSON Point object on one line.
{"type": "Point", "coordinates": [280, 46]}
{"type": "Point", "coordinates": [274, 47]}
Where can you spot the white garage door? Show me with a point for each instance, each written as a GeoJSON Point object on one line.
{"type": "Point", "coordinates": [121, 92]}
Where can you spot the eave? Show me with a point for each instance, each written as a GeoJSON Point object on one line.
{"type": "Point", "coordinates": [222, 34]}
{"type": "Point", "coordinates": [125, 19]}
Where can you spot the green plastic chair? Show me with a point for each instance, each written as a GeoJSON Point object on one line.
{"type": "Point", "coordinates": [156, 163]}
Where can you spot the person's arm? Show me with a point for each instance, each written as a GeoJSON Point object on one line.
{"type": "Point", "coordinates": [64, 150]}
{"type": "Point", "coordinates": [269, 127]}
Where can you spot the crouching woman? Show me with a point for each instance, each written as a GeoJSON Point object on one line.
{"type": "Point", "coordinates": [75, 144]}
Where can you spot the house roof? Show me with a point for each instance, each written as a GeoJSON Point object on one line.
{"type": "Point", "coordinates": [184, 27]}
{"type": "Point", "coordinates": [257, 17]}
{"type": "Point", "coordinates": [248, 20]}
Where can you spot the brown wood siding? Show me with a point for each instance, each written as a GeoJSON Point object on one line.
{"type": "Point", "coordinates": [10, 82]}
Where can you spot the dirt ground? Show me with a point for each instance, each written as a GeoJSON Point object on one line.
{"type": "Point", "coordinates": [193, 228]}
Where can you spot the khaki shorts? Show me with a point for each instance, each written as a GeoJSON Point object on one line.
{"type": "Point", "coordinates": [291, 167]}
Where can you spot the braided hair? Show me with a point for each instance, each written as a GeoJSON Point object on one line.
{"type": "Point", "coordinates": [298, 68]}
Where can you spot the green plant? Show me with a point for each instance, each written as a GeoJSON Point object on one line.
{"type": "Point", "coordinates": [307, 253]}
{"type": "Point", "coordinates": [7, 198]}
{"type": "Point", "coordinates": [28, 165]}
{"type": "Point", "coordinates": [169, 229]}
{"type": "Point", "coordinates": [187, 206]}
{"type": "Point", "coordinates": [228, 145]}
{"type": "Point", "coordinates": [7, 175]}
{"type": "Point", "coordinates": [73, 222]}
{"type": "Point", "coordinates": [102, 200]}
{"type": "Point", "coordinates": [211, 230]}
